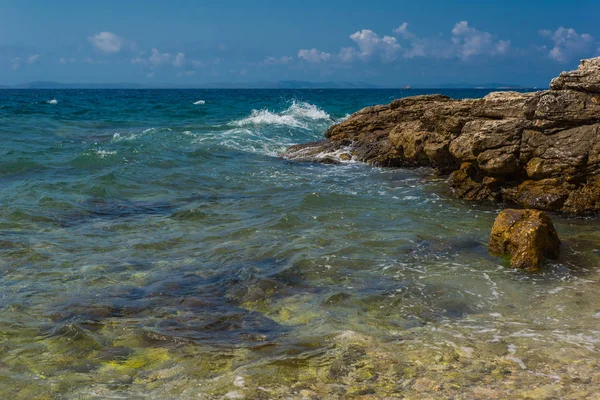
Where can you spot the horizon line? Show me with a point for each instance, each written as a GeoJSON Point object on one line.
{"type": "Point", "coordinates": [40, 85]}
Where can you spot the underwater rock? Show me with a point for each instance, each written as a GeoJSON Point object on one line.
{"type": "Point", "coordinates": [537, 150]}
{"type": "Point", "coordinates": [113, 353]}
{"type": "Point", "coordinates": [526, 235]}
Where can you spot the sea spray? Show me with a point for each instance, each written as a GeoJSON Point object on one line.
{"type": "Point", "coordinates": [297, 115]}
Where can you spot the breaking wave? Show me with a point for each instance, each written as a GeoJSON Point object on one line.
{"type": "Point", "coordinates": [199, 102]}
{"type": "Point", "coordinates": [53, 101]}
{"type": "Point", "coordinates": [298, 115]}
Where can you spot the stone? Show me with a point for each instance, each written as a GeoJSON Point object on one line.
{"type": "Point", "coordinates": [536, 150]}
{"type": "Point", "coordinates": [586, 78]}
{"type": "Point", "coordinates": [527, 236]}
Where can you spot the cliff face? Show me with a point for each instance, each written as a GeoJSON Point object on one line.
{"type": "Point", "coordinates": [537, 150]}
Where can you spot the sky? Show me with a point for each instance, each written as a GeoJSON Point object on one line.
{"type": "Point", "coordinates": [386, 43]}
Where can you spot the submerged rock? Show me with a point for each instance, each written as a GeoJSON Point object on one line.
{"type": "Point", "coordinates": [537, 150]}
{"type": "Point", "coordinates": [526, 235]}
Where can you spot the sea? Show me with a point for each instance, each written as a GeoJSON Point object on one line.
{"type": "Point", "coordinates": [155, 244]}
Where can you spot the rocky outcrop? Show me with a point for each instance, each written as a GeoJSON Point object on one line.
{"type": "Point", "coordinates": [585, 78]}
{"type": "Point", "coordinates": [527, 236]}
{"type": "Point", "coordinates": [536, 150]}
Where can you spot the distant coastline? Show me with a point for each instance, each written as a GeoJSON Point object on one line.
{"type": "Point", "coordinates": [259, 85]}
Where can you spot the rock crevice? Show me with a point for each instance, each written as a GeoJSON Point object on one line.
{"type": "Point", "coordinates": [536, 150]}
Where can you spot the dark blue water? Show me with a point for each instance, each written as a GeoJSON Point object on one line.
{"type": "Point", "coordinates": [153, 243]}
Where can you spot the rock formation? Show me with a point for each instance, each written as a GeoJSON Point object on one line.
{"type": "Point", "coordinates": [528, 236]}
{"type": "Point", "coordinates": [536, 150]}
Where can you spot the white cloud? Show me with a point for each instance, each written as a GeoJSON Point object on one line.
{"type": "Point", "coordinates": [91, 61]}
{"type": "Point", "coordinates": [277, 61]}
{"type": "Point", "coordinates": [64, 60]}
{"type": "Point", "coordinates": [16, 63]}
{"type": "Point", "coordinates": [418, 46]}
{"type": "Point", "coordinates": [139, 60]}
{"type": "Point", "coordinates": [465, 42]}
{"type": "Point", "coordinates": [370, 43]}
{"type": "Point", "coordinates": [469, 41]}
{"type": "Point", "coordinates": [179, 60]}
{"type": "Point", "coordinates": [502, 47]}
{"type": "Point", "coordinates": [198, 64]}
{"type": "Point", "coordinates": [157, 58]}
{"type": "Point", "coordinates": [107, 42]}
{"type": "Point", "coordinates": [569, 44]}
{"type": "Point", "coordinates": [33, 58]}
{"type": "Point", "coordinates": [347, 54]}
{"type": "Point", "coordinates": [314, 55]}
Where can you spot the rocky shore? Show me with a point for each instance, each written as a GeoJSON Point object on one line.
{"type": "Point", "coordinates": [535, 150]}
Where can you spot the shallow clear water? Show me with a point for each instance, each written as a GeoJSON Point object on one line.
{"type": "Point", "coordinates": [154, 247]}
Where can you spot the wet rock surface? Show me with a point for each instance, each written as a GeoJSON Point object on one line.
{"type": "Point", "coordinates": [527, 236]}
{"type": "Point", "coordinates": [536, 150]}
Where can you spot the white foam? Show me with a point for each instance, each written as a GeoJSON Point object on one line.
{"type": "Point", "coordinates": [117, 137]}
{"type": "Point", "coordinates": [104, 153]}
{"type": "Point", "coordinates": [199, 102]}
{"type": "Point", "coordinates": [53, 101]}
{"type": "Point", "coordinates": [266, 117]}
{"type": "Point", "coordinates": [307, 110]}
{"type": "Point", "coordinates": [298, 115]}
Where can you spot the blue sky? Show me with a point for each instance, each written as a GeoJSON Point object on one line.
{"type": "Point", "coordinates": [389, 43]}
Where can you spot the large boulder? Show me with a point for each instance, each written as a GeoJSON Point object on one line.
{"type": "Point", "coordinates": [527, 236]}
{"type": "Point", "coordinates": [536, 150]}
{"type": "Point", "coordinates": [586, 78]}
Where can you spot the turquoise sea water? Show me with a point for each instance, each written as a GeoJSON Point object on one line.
{"type": "Point", "coordinates": [154, 245]}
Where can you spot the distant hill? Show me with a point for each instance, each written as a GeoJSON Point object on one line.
{"type": "Point", "coordinates": [290, 84]}
{"type": "Point", "coordinates": [493, 85]}
{"type": "Point", "coordinates": [59, 85]}
{"type": "Point", "coordinates": [219, 85]}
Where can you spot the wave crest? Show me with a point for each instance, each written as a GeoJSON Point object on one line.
{"type": "Point", "coordinates": [199, 102]}
{"type": "Point", "coordinates": [298, 115]}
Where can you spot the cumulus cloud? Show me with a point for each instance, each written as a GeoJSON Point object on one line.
{"type": "Point", "coordinates": [569, 44]}
{"type": "Point", "coordinates": [32, 59]}
{"type": "Point", "coordinates": [107, 42]}
{"type": "Point", "coordinates": [314, 55]}
{"type": "Point", "coordinates": [65, 60]}
{"type": "Point", "coordinates": [347, 54]}
{"type": "Point", "coordinates": [463, 42]}
{"type": "Point", "coordinates": [15, 63]}
{"type": "Point", "coordinates": [179, 60]}
{"type": "Point", "coordinates": [156, 59]}
{"type": "Point", "coordinates": [91, 61]}
{"type": "Point", "coordinates": [418, 47]}
{"type": "Point", "coordinates": [277, 61]}
{"type": "Point", "coordinates": [369, 43]}
{"type": "Point", "coordinates": [469, 41]}
{"type": "Point", "coordinates": [502, 47]}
